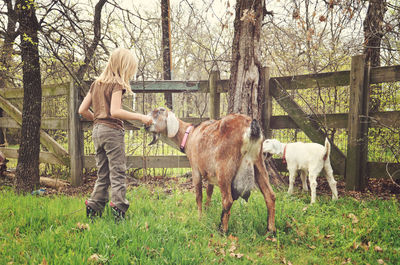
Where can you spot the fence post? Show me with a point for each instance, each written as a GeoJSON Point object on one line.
{"type": "Point", "coordinates": [266, 104]}
{"type": "Point", "coordinates": [215, 96]}
{"type": "Point", "coordinates": [75, 137]}
{"type": "Point", "coordinates": [357, 144]}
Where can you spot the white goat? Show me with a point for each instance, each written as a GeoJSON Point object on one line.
{"type": "Point", "coordinates": [308, 158]}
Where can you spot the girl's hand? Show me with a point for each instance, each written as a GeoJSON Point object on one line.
{"type": "Point", "coordinates": [147, 120]}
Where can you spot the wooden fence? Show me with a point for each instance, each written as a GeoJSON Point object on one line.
{"type": "Point", "coordinates": [354, 165]}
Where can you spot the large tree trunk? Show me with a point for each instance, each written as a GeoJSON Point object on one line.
{"type": "Point", "coordinates": [245, 91]}
{"type": "Point", "coordinates": [27, 173]}
{"type": "Point", "coordinates": [245, 85]}
{"type": "Point", "coordinates": [166, 47]}
{"type": "Point", "coordinates": [373, 33]}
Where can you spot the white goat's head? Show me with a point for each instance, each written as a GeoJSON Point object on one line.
{"type": "Point", "coordinates": [271, 147]}
{"type": "Point", "coordinates": [164, 122]}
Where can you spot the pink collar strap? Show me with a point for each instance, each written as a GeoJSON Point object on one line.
{"type": "Point", "coordinates": [185, 138]}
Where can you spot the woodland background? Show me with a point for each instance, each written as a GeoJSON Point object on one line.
{"type": "Point", "coordinates": [74, 40]}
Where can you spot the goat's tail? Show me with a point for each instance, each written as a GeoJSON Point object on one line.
{"type": "Point", "coordinates": [327, 149]}
{"type": "Point", "coordinates": [255, 130]}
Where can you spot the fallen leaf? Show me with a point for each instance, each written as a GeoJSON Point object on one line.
{"type": "Point", "coordinates": [146, 226]}
{"type": "Point", "coordinates": [365, 246]}
{"type": "Point", "coordinates": [353, 218]}
{"type": "Point", "coordinates": [232, 248]}
{"type": "Point", "coordinates": [222, 252]}
{"type": "Point", "coordinates": [355, 245]}
{"type": "Point", "coordinates": [44, 262]}
{"type": "Point", "coordinates": [380, 261]}
{"type": "Point", "coordinates": [378, 249]}
{"type": "Point", "coordinates": [311, 247]}
{"type": "Point", "coordinates": [232, 238]}
{"type": "Point", "coordinates": [94, 257]}
{"type": "Point", "coordinates": [301, 233]}
{"type": "Point", "coordinates": [329, 236]}
{"type": "Point", "coordinates": [82, 226]}
{"type": "Point", "coordinates": [347, 261]}
{"type": "Point", "coordinates": [239, 255]}
{"type": "Point", "coordinates": [273, 239]}
{"type": "Point", "coordinates": [305, 208]}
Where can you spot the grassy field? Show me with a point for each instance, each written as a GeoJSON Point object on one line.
{"type": "Point", "coordinates": [163, 228]}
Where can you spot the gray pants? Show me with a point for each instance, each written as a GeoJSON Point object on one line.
{"type": "Point", "coordinates": [111, 166]}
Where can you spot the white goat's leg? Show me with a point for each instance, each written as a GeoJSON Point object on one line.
{"type": "Point", "coordinates": [199, 190]}
{"type": "Point", "coordinates": [313, 186]}
{"type": "Point", "coordinates": [303, 176]}
{"type": "Point", "coordinates": [292, 176]}
{"type": "Point", "coordinates": [331, 180]}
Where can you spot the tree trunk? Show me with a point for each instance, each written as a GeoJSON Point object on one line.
{"type": "Point", "coordinates": [27, 172]}
{"type": "Point", "coordinates": [6, 53]}
{"type": "Point", "coordinates": [166, 47]}
{"type": "Point", "coordinates": [373, 33]}
{"type": "Point", "coordinates": [96, 39]}
{"type": "Point", "coordinates": [245, 89]}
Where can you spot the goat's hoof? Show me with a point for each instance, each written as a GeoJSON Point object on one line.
{"type": "Point", "coordinates": [221, 230]}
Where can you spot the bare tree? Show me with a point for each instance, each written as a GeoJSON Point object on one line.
{"type": "Point", "coordinates": [373, 33]}
{"type": "Point", "coordinates": [9, 35]}
{"type": "Point", "coordinates": [245, 90]}
{"type": "Point", "coordinates": [166, 47]}
{"type": "Point", "coordinates": [27, 172]}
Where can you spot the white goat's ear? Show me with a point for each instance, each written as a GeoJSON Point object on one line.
{"type": "Point", "coordinates": [172, 124]}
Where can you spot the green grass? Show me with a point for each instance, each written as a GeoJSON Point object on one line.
{"type": "Point", "coordinates": [164, 228]}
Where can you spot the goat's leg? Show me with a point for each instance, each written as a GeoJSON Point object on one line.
{"type": "Point", "coordinates": [331, 180]}
{"type": "Point", "coordinates": [227, 201]}
{"type": "Point", "coordinates": [313, 186]}
{"type": "Point", "coordinates": [210, 189]}
{"type": "Point", "coordinates": [199, 189]}
{"type": "Point", "coordinates": [292, 177]}
{"type": "Point", "coordinates": [262, 179]}
{"type": "Point", "coordinates": [303, 177]}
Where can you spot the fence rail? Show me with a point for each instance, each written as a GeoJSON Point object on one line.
{"type": "Point", "coordinates": [215, 87]}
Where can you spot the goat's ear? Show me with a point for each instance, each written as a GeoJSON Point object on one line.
{"type": "Point", "coordinates": [172, 124]}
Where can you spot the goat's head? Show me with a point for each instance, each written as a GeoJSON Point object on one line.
{"type": "Point", "coordinates": [164, 122]}
{"type": "Point", "coordinates": [271, 147]}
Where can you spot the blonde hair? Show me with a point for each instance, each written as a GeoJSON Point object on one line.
{"type": "Point", "coordinates": [121, 67]}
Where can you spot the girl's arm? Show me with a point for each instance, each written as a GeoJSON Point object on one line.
{"type": "Point", "coordinates": [119, 113]}
{"type": "Point", "coordinates": [84, 107]}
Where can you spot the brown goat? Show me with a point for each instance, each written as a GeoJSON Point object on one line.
{"type": "Point", "coordinates": [227, 152]}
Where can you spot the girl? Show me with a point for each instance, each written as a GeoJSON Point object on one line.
{"type": "Point", "coordinates": [105, 95]}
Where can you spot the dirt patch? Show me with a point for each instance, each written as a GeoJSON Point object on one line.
{"type": "Point", "coordinates": [376, 188]}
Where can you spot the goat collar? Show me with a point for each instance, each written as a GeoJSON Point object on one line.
{"type": "Point", "coordinates": [284, 155]}
{"type": "Point", "coordinates": [183, 143]}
